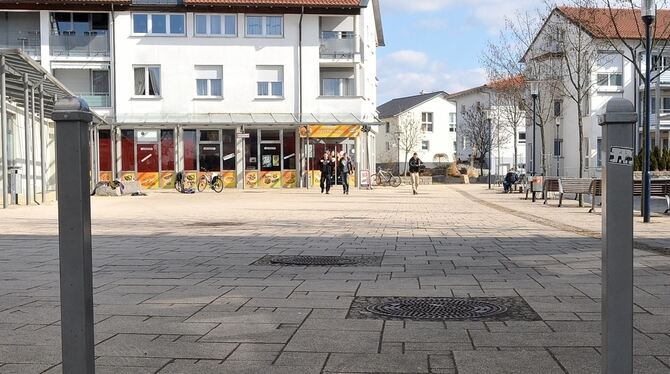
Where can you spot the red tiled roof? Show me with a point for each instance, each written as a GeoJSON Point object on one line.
{"type": "Point", "coordinates": [617, 22]}
{"type": "Point", "coordinates": [503, 84]}
{"type": "Point", "coordinates": [290, 3]}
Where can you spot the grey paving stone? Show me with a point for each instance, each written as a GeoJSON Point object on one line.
{"type": "Point", "coordinates": [249, 333]}
{"type": "Point", "coordinates": [334, 341]}
{"type": "Point", "coordinates": [377, 363]}
{"type": "Point", "coordinates": [127, 345]}
{"type": "Point", "coordinates": [511, 362]}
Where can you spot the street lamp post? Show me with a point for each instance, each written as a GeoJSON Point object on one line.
{"type": "Point", "coordinates": [397, 136]}
{"type": "Point", "coordinates": [648, 12]}
{"type": "Point", "coordinates": [534, 93]}
{"type": "Point", "coordinates": [557, 150]}
{"type": "Point", "coordinates": [490, 146]}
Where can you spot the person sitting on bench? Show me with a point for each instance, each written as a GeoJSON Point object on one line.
{"type": "Point", "coordinates": [510, 179]}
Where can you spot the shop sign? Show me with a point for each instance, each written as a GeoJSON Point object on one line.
{"type": "Point", "coordinates": [243, 135]}
{"type": "Point", "coordinates": [365, 177]}
{"type": "Point", "coordinates": [325, 131]}
{"type": "Point", "coordinates": [209, 148]}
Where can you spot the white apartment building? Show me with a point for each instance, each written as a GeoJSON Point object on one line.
{"type": "Point", "coordinates": [433, 117]}
{"type": "Point", "coordinates": [612, 76]}
{"type": "Point", "coordinates": [255, 91]}
{"type": "Point", "coordinates": [502, 153]}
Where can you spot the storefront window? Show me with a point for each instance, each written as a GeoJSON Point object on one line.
{"type": "Point", "coordinates": [209, 135]}
{"type": "Point", "coordinates": [270, 150]}
{"type": "Point", "coordinates": [228, 150]}
{"type": "Point", "coordinates": [105, 150]}
{"type": "Point", "coordinates": [127, 150]}
{"type": "Point", "coordinates": [190, 160]}
{"type": "Point", "coordinates": [251, 151]}
{"type": "Point", "coordinates": [167, 150]}
{"type": "Point", "coordinates": [289, 150]}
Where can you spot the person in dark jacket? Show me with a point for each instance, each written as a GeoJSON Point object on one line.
{"type": "Point", "coordinates": [510, 178]}
{"type": "Point", "coordinates": [415, 166]}
{"type": "Point", "coordinates": [345, 167]}
{"type": "Point", "coordinates": [326, 168]}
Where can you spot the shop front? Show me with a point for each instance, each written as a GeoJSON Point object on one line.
{"type": "Point", "coordinates": [147, 156]}
{"type": "Point", "coordinates": [337, 141]}
{"type": "Point", "coordinates": [270, 158]}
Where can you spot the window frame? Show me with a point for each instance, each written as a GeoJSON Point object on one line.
{"type": "Point", "coordinates": [345, 87]}
{"type": "Point", "coordinates": [452, 121]}
{"type": "Point", "coordinates": [209, 95]}
{"type": "Point", "coordinates": [427, 125]}
{"type": "Point", "coordinates": [270, 86]}
{"type": "Point", "coordinates": [149, 15]}
{"type": "Point", "coordinates": [208, 26]}
{"type": "Point", "coordinates": [146, 82]}
{"type": "Point", "coordinates": [263, 33]}
{"type": "Point", "coordinates": [425, 143]}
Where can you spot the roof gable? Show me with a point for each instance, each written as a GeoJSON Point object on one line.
{"type": "Point", "coordinates": [400, 105]}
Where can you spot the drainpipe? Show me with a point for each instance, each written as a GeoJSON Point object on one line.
{"type": "Point", "coordinates": [26, 133]}
{"type": "Point", "coordinates": [43, 164]}
{"type": "Point", "coordinates": [302, 14]}
{"type": "Point", "coordinates": [112, 68]}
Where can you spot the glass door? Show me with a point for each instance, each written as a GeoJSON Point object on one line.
{"type": "Point", "coordinates": [147, 158]}
{"type": "Point", "coordinates": [270, 159]}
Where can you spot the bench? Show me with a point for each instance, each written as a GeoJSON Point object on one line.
{"type": "Point", "coordinates": [551, 185]}
{"type": "Point", "coordinates": [536, 186]}
{"type": "Point", "coordinates": [577, 186]}
{"type": "Point", "coordinates": [659, 188]}
{"type": "Point", "coordinates": [595, 190]}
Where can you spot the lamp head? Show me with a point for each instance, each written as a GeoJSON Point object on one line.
{"type": "Point", "coordinates": [534, 88]}
{"type": "Point", "coordinates": [648, 9]}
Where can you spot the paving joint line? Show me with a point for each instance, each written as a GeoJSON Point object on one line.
{"type": "Point", "coordinates": [560, 226]}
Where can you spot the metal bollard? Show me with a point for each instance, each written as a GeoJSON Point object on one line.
{"type": "Point", "coordinates": [73, 118]}
{"type": "Point", "coordinates": [617, 227]}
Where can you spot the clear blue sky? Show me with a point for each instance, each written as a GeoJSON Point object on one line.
{"type": "Point", "coordinates": [436, 44]}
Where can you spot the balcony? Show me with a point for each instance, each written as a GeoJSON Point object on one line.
{"type": "Point", "coordinates": [337, 45]}
{"type": "Point", "coordinates": [27, 40]}
{"type": "Point", "coordinates": [96, 99]}
{"type": "Point", "coordinates": [88, 44]}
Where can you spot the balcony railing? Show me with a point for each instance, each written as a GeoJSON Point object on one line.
{"type": "Point", "coordinates": [28, 41]}
{"type": "Point", "coordinates": [96, 100]}
{"type": "Point", "coordinates": [90, 44]}
{"type": "Point", "coordinates": [338, 44]}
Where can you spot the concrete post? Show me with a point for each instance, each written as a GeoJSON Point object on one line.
{"type": "Point", "coordinates": [26, 133]}
{"type": "Point", "coordinates": [617, 241]}
{"type": "Point", "coordinates": [73, 118]}
{"type": "Point", "coordinates": [3, 135]}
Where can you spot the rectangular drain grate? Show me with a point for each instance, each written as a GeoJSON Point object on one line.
{"type": "Point", "coordinates": [319, 260]}
{"type": "Point", "coordinates": [482, 309]}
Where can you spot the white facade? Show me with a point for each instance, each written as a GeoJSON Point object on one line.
{"type": "Point", "coordinates": [435, 117]}
{"type": "Point", "coordinates": [162, 70]}
{"type": "Point", "coordinates": [502, 156]}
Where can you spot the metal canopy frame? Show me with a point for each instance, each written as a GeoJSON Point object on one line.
{"type": "Point", "coordinates": [246, 119]}
{"type": "Point", "coordinates": [25, 84]}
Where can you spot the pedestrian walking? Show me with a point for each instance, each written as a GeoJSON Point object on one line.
{"type": "Point", "coordinates": [346, 167]}
{"type": "Point", "coordinates": [326, 167]}
{"type": "Point", "coordinates": [415, 166]}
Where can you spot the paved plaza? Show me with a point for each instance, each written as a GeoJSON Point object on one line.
{"type": "Point", "coordinates": [178, 288]}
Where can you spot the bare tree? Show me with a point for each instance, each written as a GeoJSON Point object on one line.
{"type": "Point", "coordinates": [579, 53]}
{"type": "Point", "coordinates": [505, 60]}
{"type": "Point", "coordinates": [508, 96]}
{"type": "Point", "coordinates": [476, 130]}
{"type": "Point", "coordinates": [409, 135]}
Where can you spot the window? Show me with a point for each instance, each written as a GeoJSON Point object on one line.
{"type": "Point", "coordinates": [337, 87]}
{"type": "Point", "coordinates": [609, 67]}
{"type": "Point", "coordinates": [599, 161]}
{"type": "Point", "coordinates": [557, 147]}
{"type": "Point", "coordinates": [215, 24]}
{"type": "Point", "coordinates": [427, 121]}
{"type": "Point", "coordinates": [79, 23]}
{"type": "Point", "coordinates": [388, 146]}
{"type": "Point", "coordinates": [148, 81]}
{"type": "Point", "coordinates": [387, 127]}
{"type": "Point", "coordinates": [270, 81]}
{"type": "Point", "coordinates": [158, 24]}
{"type": "Point", "coordinates": [100, 82]}
{"type": "Point", "coordinates": [660, 62]}
{"type": "Point", "coordinates": [425, 145]}
{"type": "Point", "coordinates": [208, 81]}
{"type": "Point", "coordinates": [463, 109]}
{"type": "Point", "coordinates": [265, 26]}
{"type": "Point", "coordinates": [557, 108]}
{"type": "Point", "coordinates": [452, 122]}
{"type": "Point", "coordinates": [522, 137]}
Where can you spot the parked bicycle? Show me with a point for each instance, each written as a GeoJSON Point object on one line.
{"type": "Point", "coordinates": [386, 178]}
{"type": "Point", "coordinates": [212, 180]}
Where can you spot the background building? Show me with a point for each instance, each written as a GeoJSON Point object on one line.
{"type": "Point", "coordinates": [252, 91]}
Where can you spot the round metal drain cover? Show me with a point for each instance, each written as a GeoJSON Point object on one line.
{"type": "Point", "coordinates": [438, 309]}
{"type": "Point", "coordinates": [313, 260]}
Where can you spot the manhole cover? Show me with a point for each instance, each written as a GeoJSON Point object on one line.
{"type": "Point", "coordinates": [305, 260]}
{"type": "Point", "coordinates": [438, 308]}
{"type": "Point", "coordinates": [313, 260]}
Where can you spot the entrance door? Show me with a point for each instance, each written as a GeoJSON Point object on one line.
{"type": "Point", "coordinates": [147, 165]}
{"type": "Point", "coordinates": [270, 161]}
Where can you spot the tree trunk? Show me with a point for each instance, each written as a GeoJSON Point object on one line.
{"type": "Point", "coordinates": [404, 168]}
{"type": "Point", "coordinates": [516, 151]}
{"type": "Point", "coordinates": [544, 151]}
{"type": "Point", "coordinates": [580, 122]}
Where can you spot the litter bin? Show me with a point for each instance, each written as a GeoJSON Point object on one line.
{"type": "Point", "coordinates": [14, 183]}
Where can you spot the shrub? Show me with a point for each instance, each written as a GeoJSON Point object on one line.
{"type": "Point", "coordinates": [655, 155]}
{"type": "Point", "coordinates": [472, 172]}
{"type": "Point", "coordinates": [453, 171]}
